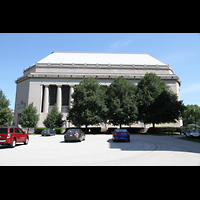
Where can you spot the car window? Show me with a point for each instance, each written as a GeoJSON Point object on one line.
{"type": "Point", "coordinates": [3, 130]}
{"type": "Point", "coordinates": [72, 131]}
{"type": "Point", "coordinates": [17, 130]}
{"type": "Point", "coordinates": [11, 130]}
{"type": "Point", "coordinates": [21, 131]}
{"type": "Point", "coordinates": [121, 131]}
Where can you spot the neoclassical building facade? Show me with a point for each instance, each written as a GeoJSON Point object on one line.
{"type": "Point", "coordinates": [52, 80]}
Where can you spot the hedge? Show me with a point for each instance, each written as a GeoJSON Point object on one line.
{"type": "Point", "coordinates": [163, 129]}
{"type": "Point", "coordinates": [38, 130]}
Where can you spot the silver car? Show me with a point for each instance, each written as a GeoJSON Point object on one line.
{"type": "Point", "coordinates": [74, 135]}
{"type": "Point", "coordinates": [190, 131]}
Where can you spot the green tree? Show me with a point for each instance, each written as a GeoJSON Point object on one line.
{"type": "Point", "coordinates": [54, 118]}
{"type": "Point", "coordinates": [121, 102]}
{"type": "Point", "coordinates": [6, 116]}
{"type": "Point", "coordinates": [166, 108]}
{"type": "Point", "coordinates": [148, 89]}
{"type": "Point", "coordinates": [156, 102]}
{"type": "Point", "coordinates": [29, 117]}
{"type": "Point", "coordinates": [189, 115]}
{"type": "Point", "coordinates": [88, 104]}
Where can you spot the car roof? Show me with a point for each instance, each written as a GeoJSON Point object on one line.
{"type": "Point", "coordinates": [9, 127]}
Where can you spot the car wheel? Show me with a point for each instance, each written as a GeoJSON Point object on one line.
{"type": "Point", "coordinates": [26, 141]}
{"type": "Point", "coordinates": [13, 143]}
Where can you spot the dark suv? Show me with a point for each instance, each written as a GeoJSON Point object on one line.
{"type": "Point", "coordinates": [12, 135]}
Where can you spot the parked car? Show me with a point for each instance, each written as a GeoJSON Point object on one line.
{"type": "Point", "coordinates": [191, 130]}
{"type": "Point", "coordinates": [48, 131]}
{"type": "Point", "coordinates": [74, 135]}
{"type": "Point", "coordinates": [121, 134]}
{"type": "Point", "coordinates": [12, 135]}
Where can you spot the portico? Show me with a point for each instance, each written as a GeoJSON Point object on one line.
{"type": "Point", "coordinates": [52, 80]}
{"type": "Point", "coordinates": [63, 97]}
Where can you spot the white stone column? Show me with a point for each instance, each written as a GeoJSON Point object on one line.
{"type": "Point", "coordinates": [59, 98]}
{"type": "Point", "coordinates": [71, 90]}
{"type": "Point", "coordinates": [46, 99]}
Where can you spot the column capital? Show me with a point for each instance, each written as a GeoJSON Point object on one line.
{"type": "Point", "coordinates": [46, 85]}
{"type": "Point", "coordinates": [59, 85]}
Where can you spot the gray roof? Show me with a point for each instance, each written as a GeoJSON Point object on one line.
{"type": "Point", "coordinates": [101, 58]}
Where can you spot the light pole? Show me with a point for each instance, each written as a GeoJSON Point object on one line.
{"type": "Point", "coordinates": [195, 118]}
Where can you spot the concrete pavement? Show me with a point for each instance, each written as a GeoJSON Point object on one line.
{"type": "Point", "coordinates": [100, 150]}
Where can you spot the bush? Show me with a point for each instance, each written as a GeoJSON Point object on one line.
{"type": "Point", "coordinates": [163, 129]}
{"type": "Point", "coordinates": [58, 130]}
{"type": "Point", "coordinates": [38, 130]}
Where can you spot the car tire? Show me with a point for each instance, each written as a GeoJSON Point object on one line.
{"type": "Point", "coordinates": [26, 141]}
{"type": "Point", "coordinates": [13, 143]}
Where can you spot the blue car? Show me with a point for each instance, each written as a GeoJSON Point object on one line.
{"type": "Point", "coordinates": [48, 131]}
{"type": "Point", "coordinates": [121, 134]}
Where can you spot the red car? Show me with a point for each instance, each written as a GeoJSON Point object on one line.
{"type": "Point", "coordinates": [12, 135]}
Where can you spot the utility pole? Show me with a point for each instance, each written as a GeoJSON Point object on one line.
{"type": "Point", "coordinates": [195, 118]}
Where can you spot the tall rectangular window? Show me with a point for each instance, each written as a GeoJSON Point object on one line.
{"type": "Point", "coordinates": [52, 94]}
{"type": "Point", "coordinates": [65, 95]}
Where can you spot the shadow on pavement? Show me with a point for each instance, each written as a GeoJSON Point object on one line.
{"type": "Point", "coordinates": [155, 143]}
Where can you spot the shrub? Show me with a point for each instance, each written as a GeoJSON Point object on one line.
{"type": "Point", "coordinates": [163, 129]}
{"type": "Point", "coordinates": [38, 130]}
{"type": "Point", "coordinates": [58, 130]}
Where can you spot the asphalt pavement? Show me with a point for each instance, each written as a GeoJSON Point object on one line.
{"type": "Point", "coordinates": [100, 150]}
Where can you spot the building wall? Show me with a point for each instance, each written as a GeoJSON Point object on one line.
{"type": "Point", "coordinates": [31, 90]}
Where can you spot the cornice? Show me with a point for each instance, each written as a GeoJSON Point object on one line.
{"type": "Point", "coordinates": [81, 76]}
{"type": "Point", "coordinates": [98, 66]}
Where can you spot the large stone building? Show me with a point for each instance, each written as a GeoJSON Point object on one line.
{"type": "Point", "coordinates": [52, 79]}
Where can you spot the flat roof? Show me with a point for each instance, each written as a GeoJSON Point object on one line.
{"type": "Point", "coordinates": [101, 58]}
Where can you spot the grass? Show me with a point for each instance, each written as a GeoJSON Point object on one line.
{"type": "Point", "coordinates": [164, 133]}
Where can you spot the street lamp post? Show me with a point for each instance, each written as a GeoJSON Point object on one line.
{"type": "Point", "coordinates": [195, 118]}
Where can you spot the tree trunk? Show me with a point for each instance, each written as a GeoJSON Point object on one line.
{"type": "Point", "coordinates": [154, 127]}
{"type": "Point", "coordinates": [86, 129]}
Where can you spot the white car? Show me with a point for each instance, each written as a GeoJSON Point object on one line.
{"type": "Point", "coordinates": [190, 131]}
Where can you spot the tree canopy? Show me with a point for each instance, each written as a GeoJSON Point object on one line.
{"type": "Point", "coordinates": [121, 102]}
{"type": "Point", "coordinates": [29, 117]}
{"type": "Point", "coordinates": [54, 118]}
{"type": "Point", "coordinates": [6, 116]}
{"type": "Point", "coordinates": [156, 102]}
{"type": "Point", "coordinates": [88, 103]}
{"type": "Point", "coordinates": [124, 103]}
{"type": "Point", "coordinates": [189, 115]}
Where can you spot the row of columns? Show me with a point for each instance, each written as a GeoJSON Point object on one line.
{"type": "Point", "coordinates": [58, 98]}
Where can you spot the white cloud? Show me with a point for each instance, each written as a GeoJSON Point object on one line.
{"type": "Point", "coordinates": [119, 44]}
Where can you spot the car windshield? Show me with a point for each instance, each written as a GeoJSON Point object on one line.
{"type": "Point", "coordinates": [72, 131]}
{"type": "Point", "coordinates": [120, 130]}
{"type": "Point", "coordinates": [3, 130]}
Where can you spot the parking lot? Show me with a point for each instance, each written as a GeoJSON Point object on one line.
{"type": "Point", "coordinates": [101, 150]}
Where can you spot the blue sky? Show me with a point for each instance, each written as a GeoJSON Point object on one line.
{"type": "Point", "coordinates": [180, 50]}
